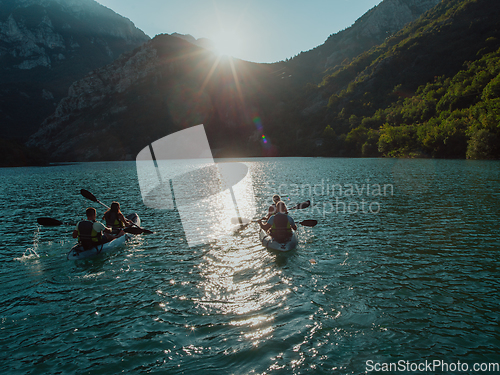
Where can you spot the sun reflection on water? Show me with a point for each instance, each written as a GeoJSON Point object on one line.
{"type": "Point", "coordinates": [235, 286]}
{"type": "Point", "coordinates": [242, 283]}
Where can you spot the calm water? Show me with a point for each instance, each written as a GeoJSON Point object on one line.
{"type": "Point", "coordinates": [403, 266]}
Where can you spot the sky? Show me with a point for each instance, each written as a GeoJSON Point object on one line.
{"type": "Point", "coordinates": [261, 31]}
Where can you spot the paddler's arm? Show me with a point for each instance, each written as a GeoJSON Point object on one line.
{"type": "Point", "coordinates": [75, 234]}
{"type": "Point", "coordinates": [124, 220]}
{"type": "Point", "coordinates": [100, 227]}
{"type": "Point", "coordinates": [265, 226]}
{"type": "Point", "coordinates": [107, 232]}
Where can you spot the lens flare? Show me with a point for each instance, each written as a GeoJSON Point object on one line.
{"type": "Point", "coordinates": [258, 123]}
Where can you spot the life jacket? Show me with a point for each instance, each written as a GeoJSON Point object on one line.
{"type": "Point", "coordinates": [112, 220]}
{"type": "Point", "coordinates": [87, 236]}
{"type": "Point", "coordinates": [281, 230]}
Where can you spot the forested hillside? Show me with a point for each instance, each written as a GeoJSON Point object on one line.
{"type": "Point", "coordinates": [432, 89]}
{"type": "Point", "coordinates": [450, 117]}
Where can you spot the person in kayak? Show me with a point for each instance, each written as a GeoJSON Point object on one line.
{"type": "Point", "coordinates": [279, 225]}
{"type": "Point", "coordinates": [272, 208]}
{"type": "Point", "coordinates": [90, 232]}
{"type": "Point", "coordinates": [115, 219]}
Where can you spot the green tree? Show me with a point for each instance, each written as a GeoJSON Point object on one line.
{"type": "Point", "coordinates": [492, 89]}
{"type": "Point", "coordinates": [370, 147]}
{"type": "Point", "coordinates": [483, 145]}
{"type": "Point", "coordinates": [397, 140]}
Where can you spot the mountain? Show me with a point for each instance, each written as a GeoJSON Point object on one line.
{"type": "Point", "coordinates": [372, 29]}
{"type": "Point", "coordinates": [46, 45]}
{"type": "Point", "coordinates": [200, 42]}
{"type": "Point", "coordinates": [429, 90]}
{"type": "Point", "coordinates": [169, 84]}
{"type": "Point", "coordinates": [164, 86]}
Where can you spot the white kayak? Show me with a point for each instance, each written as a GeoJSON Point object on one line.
{"type": "Point", "coordinates": [78, 252]}
{"type": "Point", "coordinates": [271, 244]}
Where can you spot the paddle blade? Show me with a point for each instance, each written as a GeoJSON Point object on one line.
{"type": "Point", "coordinates": [133, 230]}
{"type": "Point", "coordinates": [302, 205]}
{"type": "Point", "coordinates": [48, 222]}
{"type": "Point", "coordinates": [240, 220]}
{"type": "Point", "coordinates": [87, 194]}
{"type": "Point", "coordinates": [309, 223]}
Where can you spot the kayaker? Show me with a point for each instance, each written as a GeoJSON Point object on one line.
{"type": "Point", "coordinates": [115, 219]}
{"type": "Point", "coordinates": [90, 232]}
{"type": "Point", "coordinates": [279, 225]}
{"type": "Point", "coordinates": [272, 208]}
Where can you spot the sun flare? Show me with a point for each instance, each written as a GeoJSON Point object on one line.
{"type": "Point", "coordinates": [227, 43]}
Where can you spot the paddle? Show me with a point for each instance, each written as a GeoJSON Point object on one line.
{"type": "Point", "coordinates": [302, 205]}
{"type": "Point", "coordinates": [50, 222]}
{"type": "Point", "coordinates": [87, 194]}
{"type": "Point", "coordinates": [309, 223]}
{"type": "Point", "coordinates": [245, 221]}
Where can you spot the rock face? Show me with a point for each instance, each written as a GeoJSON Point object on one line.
{"type": "Point", "coordinates": [369, 30]}
{"type": "Point", "coordinates": [45, 45]}
{"type": "Point", "coordinates": [391, 15]}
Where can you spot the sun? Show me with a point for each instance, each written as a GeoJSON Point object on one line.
{"type": "Point", "coordinates": [227, 43]}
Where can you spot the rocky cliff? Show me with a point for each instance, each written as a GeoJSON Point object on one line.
{"type": "Point", "coordinates": [164, 86]}
{"type": "Point", "coordinates": [368, 31]}
{"type": "Point", "coordinates": [45, 45]}
{"type": "Point", "coordinates": [374, 27]}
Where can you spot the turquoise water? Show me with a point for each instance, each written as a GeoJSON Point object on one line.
{"type": "Point", "coordinates": [402, 266]}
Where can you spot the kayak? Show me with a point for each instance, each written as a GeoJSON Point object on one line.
{"type": "Point", "coordinates": [78, 252]}
{"type": "Point", "coordinates": [271, 244]}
